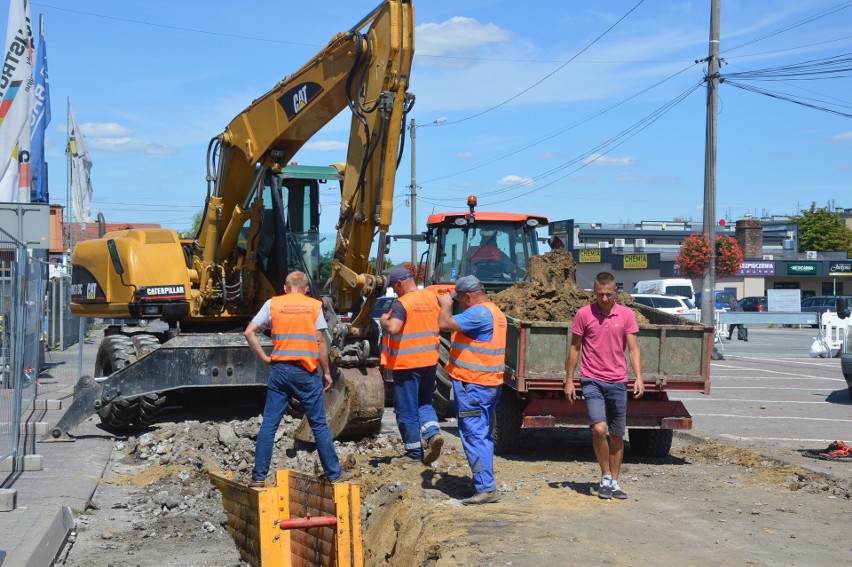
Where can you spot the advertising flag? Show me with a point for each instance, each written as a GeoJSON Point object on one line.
{"type": "Point", "coordinates": [81, 167]}
{"type": "Point", "coordinates": [16, 89]}
{"type": "Point", "coordinates": [39, 120]}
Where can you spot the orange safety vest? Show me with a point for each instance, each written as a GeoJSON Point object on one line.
{"type": "Point", "coordinates": [416, 346]}
{"type": "Point", "coordinates": [294, 339]}
{"type": "Point", "coordinates": [480, 362]}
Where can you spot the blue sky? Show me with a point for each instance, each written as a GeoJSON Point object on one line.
{"type": "Point", "coordinates": [530, 124]}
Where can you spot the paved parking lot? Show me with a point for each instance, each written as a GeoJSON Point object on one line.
{"type": "Point", "coordinates": [769, 394]}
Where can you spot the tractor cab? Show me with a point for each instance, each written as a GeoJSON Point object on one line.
{"type": "Point", "coordinates": [494, 247]}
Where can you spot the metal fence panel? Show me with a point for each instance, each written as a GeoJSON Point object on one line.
{"type": "Point", "coordinates": [33, 361]}
{"type": "Point", "coordinates": [12, 254]}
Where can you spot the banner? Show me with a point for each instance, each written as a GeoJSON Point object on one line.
{"type": "Point", "coordinates": [81, 167]}
{"type": "Point", "coordinates": [16, 90]}
{"type": "Point", "coordinates": [39, 120]}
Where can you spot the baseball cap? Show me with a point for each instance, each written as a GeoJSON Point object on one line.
{"type": "Point", "coordinates": [399, 274]}
{"type": "Point", "coordinates": [466, 284]}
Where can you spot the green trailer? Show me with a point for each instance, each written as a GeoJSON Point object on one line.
{"type": "Point", "coordinates": [675, 358]}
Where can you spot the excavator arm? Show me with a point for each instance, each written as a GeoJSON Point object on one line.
{"type": "Point", "coordinates": [366, 70]}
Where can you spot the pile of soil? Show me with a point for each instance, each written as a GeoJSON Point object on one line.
{"type": "Point", "coordinates": [553, 293]}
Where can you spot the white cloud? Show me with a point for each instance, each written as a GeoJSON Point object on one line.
{"type": "Point", "coordinates": [514, 180]}
{"type": "Point", "coordinates": [458, 37]}
{"type": "Point", "coordinates": [465, 155]}
{"type": "Point", "coordinates": [104, 129]}
{"type": "Point", "coordinates": [600, 160]}
{"type": "Point", "coordinates": [114, 138]}
{"type": "Point", "coordinates": [842, 137]}
{"type": "Point", "coordinates": [126, 145]}
{"type": "Point", "coordinates": [326, 146]}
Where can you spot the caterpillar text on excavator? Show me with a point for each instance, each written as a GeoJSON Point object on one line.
{"type": "Point", "coordinates": [260, 221]}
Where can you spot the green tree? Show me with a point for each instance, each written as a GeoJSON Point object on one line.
{"type": "Point", "coordinates": [823, 231]}
{"type": "Point", "coordinates": [326, 260]}
{"type": "Point", "coordinates": [196, 224]}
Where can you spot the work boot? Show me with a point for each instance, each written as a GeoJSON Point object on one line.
{"type": "Point", "coordinates": [433, 449]}
{"type": "Point", "coordinates": [345, 476]}
{"type": "Point", "coordinates": [482, 498]}
{"type": "Point", "coordinates": [257, 484]}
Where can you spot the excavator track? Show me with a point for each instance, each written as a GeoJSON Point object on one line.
{"type": "Point", "coordinates": [354, 406]}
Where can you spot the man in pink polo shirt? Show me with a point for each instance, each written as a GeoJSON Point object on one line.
{"type": "Point", "coordinates": [601, 331]}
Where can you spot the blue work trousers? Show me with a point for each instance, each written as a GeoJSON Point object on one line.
{"type": "Point", "coordinates": [288, 380]}
{"type": "Point", "coordinates": [475, 407]}
{"type": "Point", "coordinates": [412, 402]}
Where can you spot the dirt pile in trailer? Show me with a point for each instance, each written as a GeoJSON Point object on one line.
{"type": "Point", "coordinates": [553, 295]}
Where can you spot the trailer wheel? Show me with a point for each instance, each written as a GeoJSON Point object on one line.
{"type": "Point", "coordinates": [506, 428]}
{"type": "Point", "coordinates": [116, 352]}
{"type": "Point", "coordinates": [651, 442]}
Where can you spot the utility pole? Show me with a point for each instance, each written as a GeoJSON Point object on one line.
{"type": "Point", "coordinates": [413, 130]}
{"type": "Point", "coordinates": [708, 299]}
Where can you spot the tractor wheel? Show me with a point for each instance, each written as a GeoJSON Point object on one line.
{"type": "Point", "coordinates": [506, 428]}
{"type": "Point", "coordinates": [443, 400]}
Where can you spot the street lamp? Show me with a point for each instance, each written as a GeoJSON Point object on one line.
{"type": "Point", "coordinates": [413, 130]}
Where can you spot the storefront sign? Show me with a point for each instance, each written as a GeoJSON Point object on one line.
{"type": "Point", "coordinates": [590, 255]}
{"type": "Point", "coordinates": [802, 269]}
{"type": "Point", "coordinates": [840, 269]}
{"type": "Point", "coordinates": [635, 261]}
{"type": "Point", "coordinates": [757, 268]}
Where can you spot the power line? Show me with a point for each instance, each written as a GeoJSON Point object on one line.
{"type": "Point", "coordinates": [175, 28]}
{"type": "Point", "coordinates": [587, 158]}
{"type": "Point", "coordinates": [787, 98]}
{"type": "Point", "coordinates": [561, 130]}
{"type": "Point", "coordinates": [562, 66]}
{"type": "Point", "coordinates": [828, 12]}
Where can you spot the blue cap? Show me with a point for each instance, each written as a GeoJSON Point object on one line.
{"type": "Point", "coordinates": [467, 284]}
{"type": "Point", "coordinates": [399, 274]}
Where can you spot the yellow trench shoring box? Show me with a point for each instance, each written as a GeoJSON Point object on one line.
{"type": "Point", "coordinates": [301, 521]}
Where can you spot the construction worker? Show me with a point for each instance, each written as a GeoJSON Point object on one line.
{"type": "Point", "coordinates": [298, 353]}
{"type": "Point", "coordinates": [476, 364]}
{"type": "Point", "coordinates": [410, 351]}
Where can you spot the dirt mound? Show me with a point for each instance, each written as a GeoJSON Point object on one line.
{"type": "Point", "coordinates": [553, 295]}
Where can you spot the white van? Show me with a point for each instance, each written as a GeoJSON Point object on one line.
{"type": "Point", "coordinates": [667, 286]}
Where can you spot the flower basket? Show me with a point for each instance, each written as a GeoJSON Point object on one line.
{"type": "Point", "coordinates": [693, 259]}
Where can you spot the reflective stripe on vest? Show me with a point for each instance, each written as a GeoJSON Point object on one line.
{"type": "Point", "coordinates": [416, 346]}
{"type": "Point", "coordinates": [480, 362]}
{"type": "Point", "coordinates": [294, 339]}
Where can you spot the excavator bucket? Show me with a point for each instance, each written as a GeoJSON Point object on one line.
{"type": "Point", "coordinates": [353, 407]}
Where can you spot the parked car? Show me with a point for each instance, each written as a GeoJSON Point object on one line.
{"type": "Point", "coordinates": [821, 304]}
{"type": "Point", "coordinates": [382, 306]}
{"type": "Point", "coordinates": [674, 304]}
{"type": "Point", "coordinates": [753, 303]}
{"type": "Point", "coordinates": [723, 299]}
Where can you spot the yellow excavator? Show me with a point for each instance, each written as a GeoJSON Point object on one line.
{"type": "Point", "coordinates": [179, 306]}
